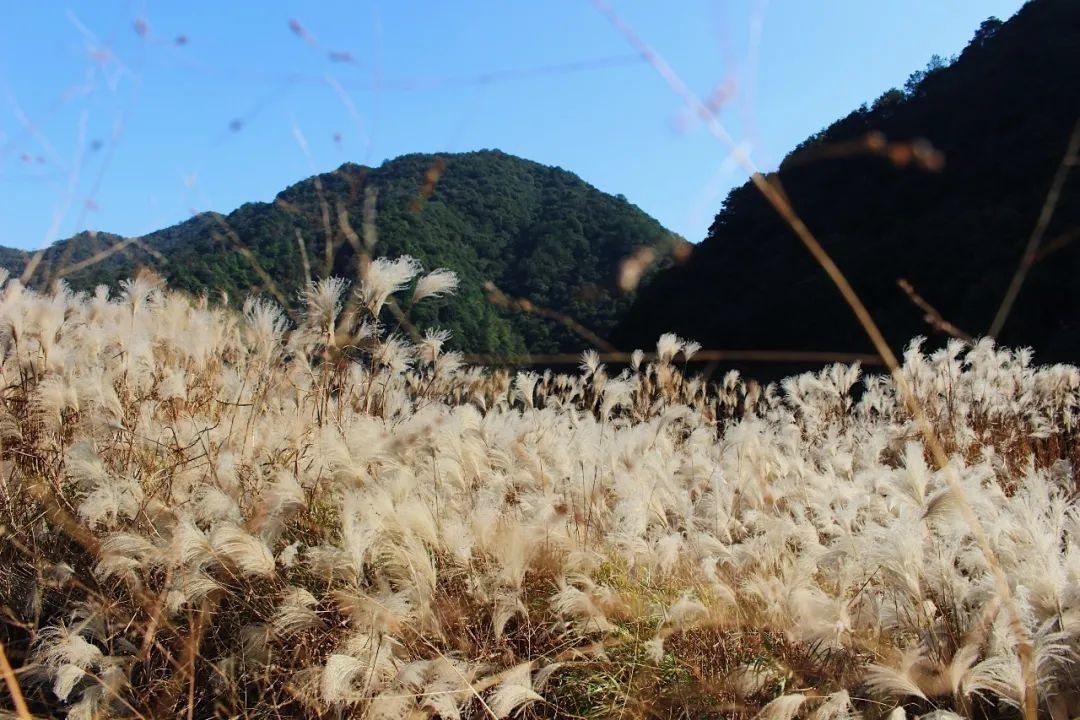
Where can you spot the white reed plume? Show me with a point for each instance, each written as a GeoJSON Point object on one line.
{"type": "Point", "coordinates": [435, 284]}
{"type": "Point", "coordinates": [383, 278]}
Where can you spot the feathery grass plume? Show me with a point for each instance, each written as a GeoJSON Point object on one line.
{"type": "Point", "coordinates": [836, 706]}
{"type": "Point", "coordinates": [266, 323]}
{"type": "Point", "coordinates": [784, 707]}
{"type": "Point", "coordinates": [124, 555]}
{"type": "Point", "coordinates": [249, 554]}
{"type": "Point", "coordinates": [897, 683]}
{"type": "Point", "coordinates": [590, 362]}
{"type": "Point", "coordinates": [447, 686]}
{"type": "Point", "coordinates": [296, 613]}
{"type": "Point", "coordinates": [67, 656]}
{"type": "Point", "coordinates": [323, 300]}
{"type": "Point", "coordinates": [336, 682]}
{"type": "Point", "coordinates": [667, 347]}
{"type": "Point", "coordinates": [616, 394]}
{"type": "Point", "coordinates": [435, 284]}
{"type": "Point", "coordinates": [111, 500]}
{"type": "Point", "coordinates": [576, 604]}
{"type": "Point", "coordinates": [395, 354]}
{"type": "Point", "coordinates": [139, 292]}
{"type": "Point", "coordinates": [212, 503]}
{"type": "Point", "coordinates": [284, 495]}
{"type": "Point", "coordinates": [430, 347]}
{"type": "Point", "coordinates": [514, 691]}
{"type": "Point", "coordinates": [384, 277]}
{"type": "Point", "coordinates": [525, 387]}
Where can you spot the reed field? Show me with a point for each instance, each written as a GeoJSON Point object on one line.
{"type": "Point", "coordinates": [213, 513]}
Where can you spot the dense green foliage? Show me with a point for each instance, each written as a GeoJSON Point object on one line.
{"type": "Point", "coordinates": [537, 232]}
{"type": "Point", "coordinates": [1001, 115]}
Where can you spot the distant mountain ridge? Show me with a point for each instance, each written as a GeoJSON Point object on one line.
{"type": "Point", "coordinates": [534, 231]}
{"type": "Point", "coordinates": [1001, 116]}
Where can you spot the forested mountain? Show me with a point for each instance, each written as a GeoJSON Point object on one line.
{"type": "Point", "coordinates": [534, 231]}
{"type": "Point", "coordinates": [877, 197]}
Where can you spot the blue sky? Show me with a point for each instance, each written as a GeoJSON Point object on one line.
{"type": "Point", "coordinates": [129, 116]}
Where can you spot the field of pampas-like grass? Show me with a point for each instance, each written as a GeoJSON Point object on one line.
{"type": "Point", "coordinates": [207, 512]}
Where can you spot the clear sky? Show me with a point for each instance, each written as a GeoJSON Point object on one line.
{"type": "Point", "coordinates": [129, 116]}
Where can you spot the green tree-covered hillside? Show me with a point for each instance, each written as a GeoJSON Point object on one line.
{"type": "Point", "coordinates": [534, 231]}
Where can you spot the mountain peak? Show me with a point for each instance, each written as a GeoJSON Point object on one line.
{"type": "Point", "coordinates": [531, 230]}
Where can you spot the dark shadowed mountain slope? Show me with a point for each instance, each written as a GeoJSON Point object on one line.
{"type": "Point", "coordinates": [535, 231]}
{"type": "Point", "coordinates": [1001, 114]}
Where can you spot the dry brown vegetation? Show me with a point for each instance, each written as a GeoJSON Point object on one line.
{"type": "Point", "coordinates": [212, 513]}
